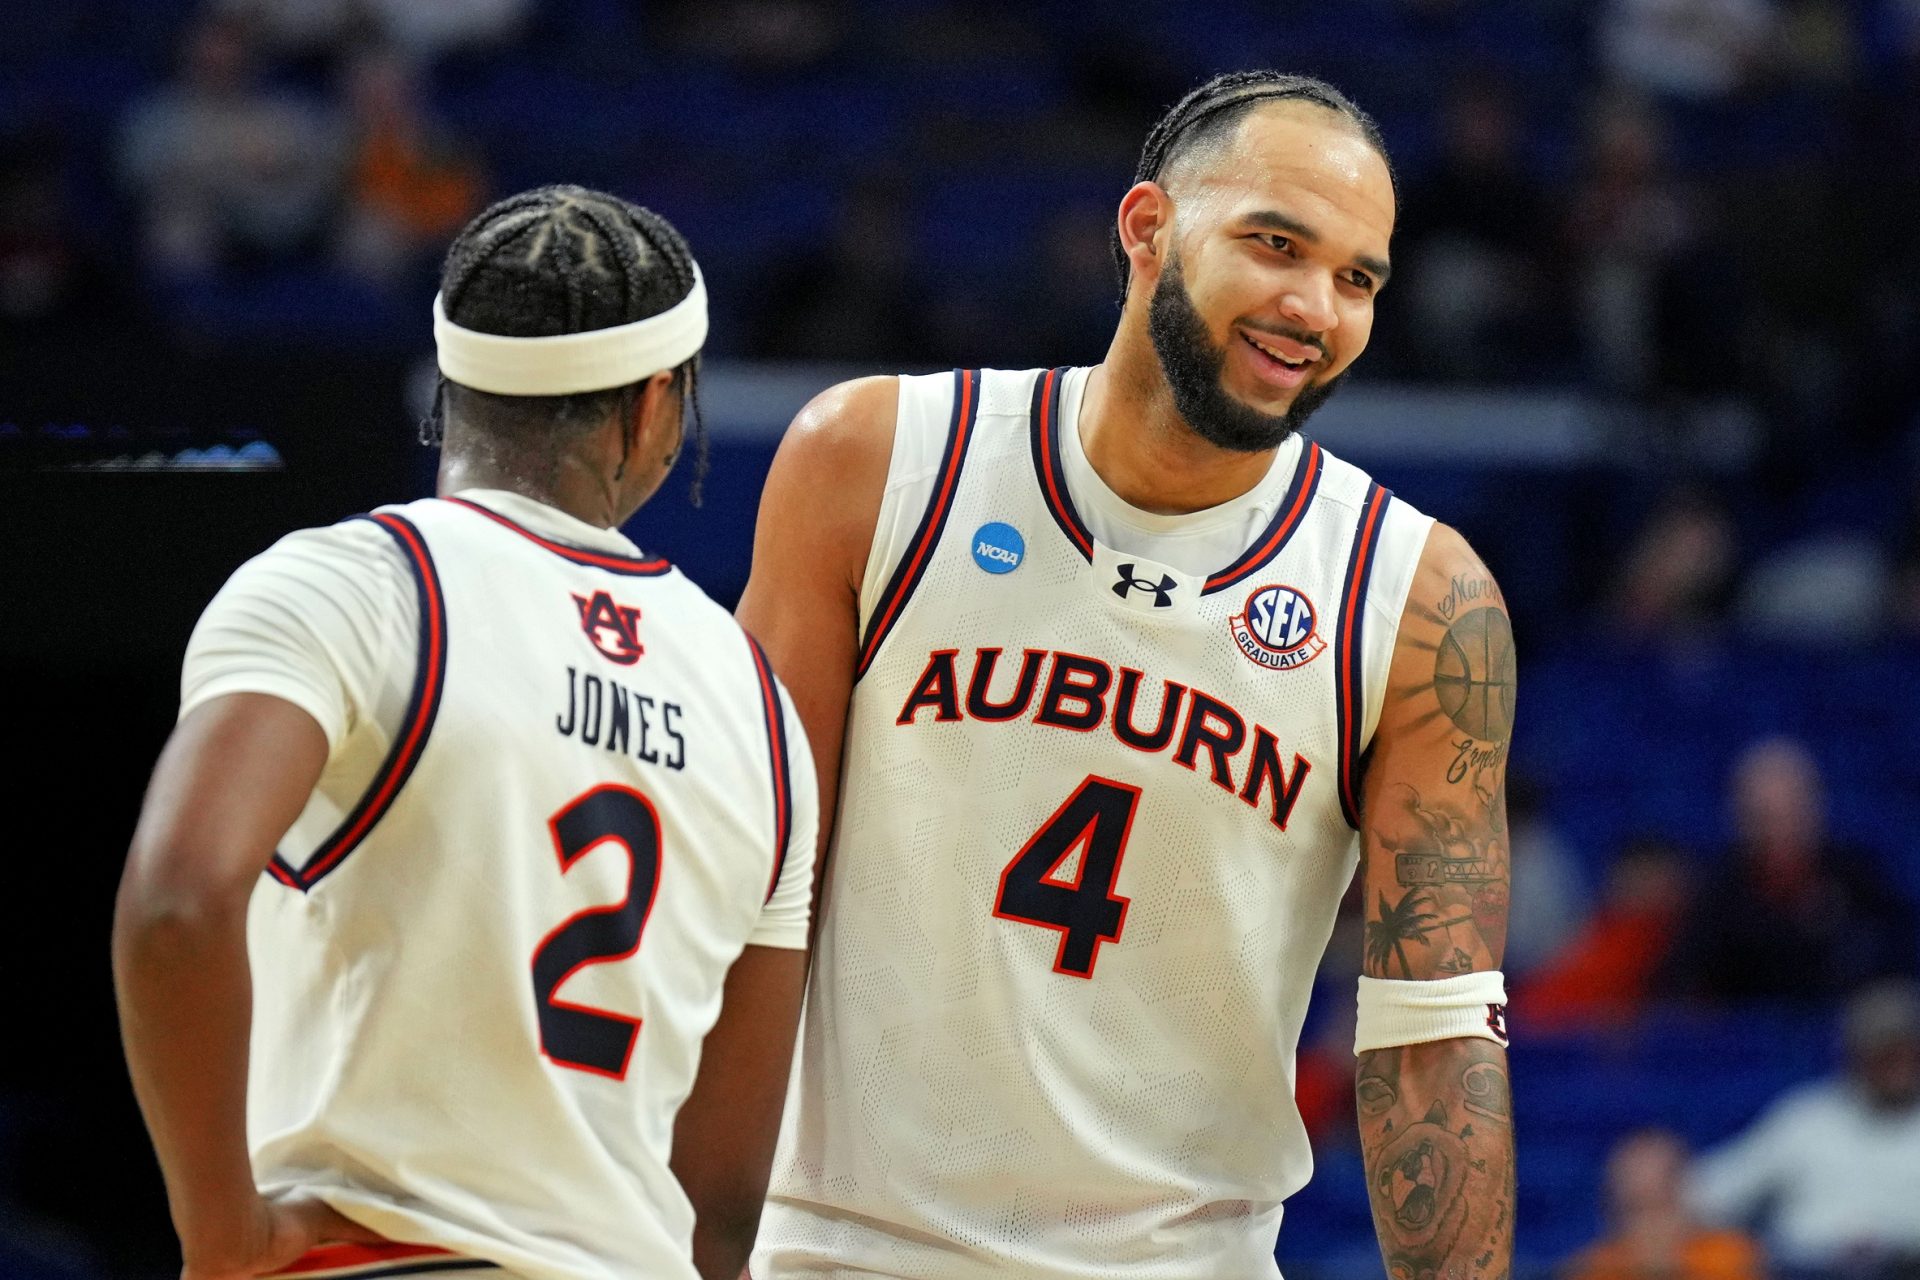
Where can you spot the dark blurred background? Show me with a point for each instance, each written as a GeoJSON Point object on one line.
{"type": "Point", "coordinates": [1653, 344]}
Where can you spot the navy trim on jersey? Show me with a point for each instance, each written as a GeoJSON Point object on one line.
{"type": "Point", "coordinates": [1048, 469]}
{"type": "Point", "coordinates": [778, 762]}
{"type": "Point", "coordinates": [429, 682]}
{"type": "Point", "coordinates": [627, 566]}
{"type": "Point", "coordinates": [913, 565]}
{"type": "Point", "coordinates": [1286, 518]}
{"type": "Point", "coordinates": [1043, 421]}
{"type": "Point", "coordinates": [1349, 655]}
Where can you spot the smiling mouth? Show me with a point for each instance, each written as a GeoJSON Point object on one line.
{"type": "Point", "coordinates": [1274, 353]}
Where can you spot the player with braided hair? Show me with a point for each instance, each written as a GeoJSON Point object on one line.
{"type": "Point", "coordinates": [554, 261]}
{"type": "Point", "coordinates": [1114, 680]}
{"type": "Point", "coordinates": [1210, 114]}
{"type": "Point", "coordinates": [464, 928]}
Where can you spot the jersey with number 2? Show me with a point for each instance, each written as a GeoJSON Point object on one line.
{"type": "Point", "coordinates": [481, 987]}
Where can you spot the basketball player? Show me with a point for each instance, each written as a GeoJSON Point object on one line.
{"type": "Point", "coordinates": [1115, 679]}
{"type": "Point", "coordinates": [484, 842]}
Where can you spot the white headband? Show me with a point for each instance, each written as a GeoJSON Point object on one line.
{"type": "Point", "coordinates": [565, 363]}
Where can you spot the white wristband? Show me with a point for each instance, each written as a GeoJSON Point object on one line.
{"type": "Point", "coordinates": [1395, 1013]}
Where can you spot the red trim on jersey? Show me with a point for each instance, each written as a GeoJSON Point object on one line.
{"type": "Point", "coordinates": [424, 707]}
{"type": "Point", "coordinates": [579, 555]}
{"type": "Point", "coordinates": [1349, 703]}
{"type": "Point", "coordinates": [1306, 481]}
{"type": "Point", "coordinates": [1053, 479]}
{"type": "Point", "coordinates": [1051, 472]}
{"type": "Point", "coordinates": [777, 754]}
{"type": "Point", "coordinates": [350, 1259]}
{"type": "Point", "coordinates": [914, 564]}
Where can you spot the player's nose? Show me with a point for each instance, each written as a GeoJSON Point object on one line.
{"type": "Point", "coordinates": [1308, 302]}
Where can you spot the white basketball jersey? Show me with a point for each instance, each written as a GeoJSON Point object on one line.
{"type": "Point", "coordinates": [1094, 825]}
{"type": "Point", "coordinates": [480, 993]}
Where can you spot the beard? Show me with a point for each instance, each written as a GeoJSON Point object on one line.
{"type": "Point", "coordinates": [1193, 366]}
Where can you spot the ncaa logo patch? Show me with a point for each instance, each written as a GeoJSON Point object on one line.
{"type": "Point", "coordinates": [613, 628]}
{"type": "Point", "coordinates": [998, 548]}
{"type": "Point", "coordinates": [1278, 629]}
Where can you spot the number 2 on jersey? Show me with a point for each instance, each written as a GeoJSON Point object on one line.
{"type": "Point", "coordinates": [574, 1035]}
{"type": "Point", "coordinates": [1095, 821]}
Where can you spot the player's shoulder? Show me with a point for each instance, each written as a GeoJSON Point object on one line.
{"type": "Point", "coordinates": [1448, 551]}
{"type": "Point", "coordinates": [346, 586]}
{"type": "Point", "coordinates": [831, 469]}
{"type": "Point", "coordinates": [1401, 550]}
{"type": "Point", "coordinates": [1343, 485]}
{"type": "Point", "coordinates": [691, 602]}
{"type": "Point", "coordinates": [856, 421]}
{"type": "Point", "coordinates": [355, 552]}
{"type": "Point", "coordinates": [848, 423]}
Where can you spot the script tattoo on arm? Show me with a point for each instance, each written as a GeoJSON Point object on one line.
{"type": "Point", "coordinates": [1436, 1119]}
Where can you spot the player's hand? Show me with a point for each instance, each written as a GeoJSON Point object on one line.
{"type": "Point", "coordinates": [275, 1233]}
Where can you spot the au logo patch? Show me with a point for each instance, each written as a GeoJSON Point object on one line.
{"type": "Point", "coordinates": [613, 628]}
{"type": "Point", "coordinates": [1278, 629]}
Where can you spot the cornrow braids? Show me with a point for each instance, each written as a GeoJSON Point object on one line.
{"type": "Point", "coordinates": [554, 260]}
{"type": "Point", "coordinates": [1214, 109]}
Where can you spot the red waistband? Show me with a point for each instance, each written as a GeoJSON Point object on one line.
{"type": "Point", "coordinates": [344, 1260]}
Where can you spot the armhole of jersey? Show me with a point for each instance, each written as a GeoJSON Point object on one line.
{"type": "Point", "coordinates": [778, 764]}
{"type": "Point", "coordinates": [892, 600]}
{"type": "Point", "coordinates": [429, 681]}
{"type": "Point", "coordinates": [1403, 540]}
{"type": "Point", "coordinates": [1350, 693]}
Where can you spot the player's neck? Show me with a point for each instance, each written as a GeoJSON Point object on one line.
{"type": "Point", "coordinates": [1143, 450]}
{"type": "Point", "coordinates": [568, 487]}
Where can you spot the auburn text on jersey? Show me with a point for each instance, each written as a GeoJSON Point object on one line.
{"type": "Point", "coordinates": [1083, 694]}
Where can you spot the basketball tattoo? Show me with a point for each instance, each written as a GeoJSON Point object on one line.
{"type": "Point", "coordinates": [1473, 674]}
{"type": "Point", "coordinates": [1436, 1118]}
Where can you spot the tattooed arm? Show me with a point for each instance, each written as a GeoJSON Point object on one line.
{"type": "Point", "coordinates": [1436, 1125]}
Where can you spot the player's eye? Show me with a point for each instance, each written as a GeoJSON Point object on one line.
{"type": "Point", "coordinates": [1361, 280]}
{"type": "Point", "coordinates": [1280, 243]}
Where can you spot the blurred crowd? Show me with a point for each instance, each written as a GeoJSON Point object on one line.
{"type": "Point", "coordinates": [1821, 1185]}
{"type": "Point", "coordinates": [1703, 212]}
{"type": "Point", "coordinates": [1703, 215]}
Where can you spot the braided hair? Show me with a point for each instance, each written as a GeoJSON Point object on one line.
{"type": "Point", "coordinates": [1212, 111]}
{"type": "Point", "coordinates": [555, 260]}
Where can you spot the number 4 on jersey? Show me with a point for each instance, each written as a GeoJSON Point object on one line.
{"type": "Point", "coordinates": [1094, 822]}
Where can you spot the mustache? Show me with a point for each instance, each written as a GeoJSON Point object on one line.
{"type": "Point", "coordinates": [1301, 336]}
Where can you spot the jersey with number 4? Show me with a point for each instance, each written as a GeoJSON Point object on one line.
{"type": "Point", "coordinates": [1095, 821]}
{"type": "Point", "coordinates": [481, 987]}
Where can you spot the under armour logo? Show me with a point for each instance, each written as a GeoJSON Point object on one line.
{"type": "Point", "coordinates": [1497, 1021]}
{"type": "Point", "coordinates": [1162, 590]}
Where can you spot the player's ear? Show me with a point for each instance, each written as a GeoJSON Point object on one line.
{"type": "Point", "coordinates": [655, 410]}
{"type": "Point", "coordinates": [1146, 228]}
